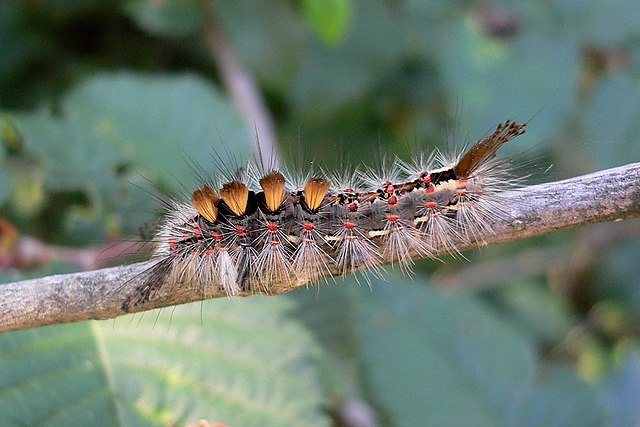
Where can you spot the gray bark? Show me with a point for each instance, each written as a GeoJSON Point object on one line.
{"type": "Point", "coordinates": [609, 195]}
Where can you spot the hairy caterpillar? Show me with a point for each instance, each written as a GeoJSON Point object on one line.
{"type": "Point", "coordinates": [259, 227]}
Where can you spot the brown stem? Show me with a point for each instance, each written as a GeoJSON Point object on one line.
{"type": "Point", "coordinates": [609, 195]}
{"type": "Point", "coordinates": [241, 86]}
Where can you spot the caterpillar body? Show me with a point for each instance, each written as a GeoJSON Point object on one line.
{"type": "Point", "coordinates": [259, 228]}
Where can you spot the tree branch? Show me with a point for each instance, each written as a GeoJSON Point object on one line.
{"type": "Point", "coordinates": [609, 195]}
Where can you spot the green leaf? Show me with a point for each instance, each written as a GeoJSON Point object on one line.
{"type": "Point", "coordinates": [447, 359]}
{"type": "Point", "coordinates": [53, 377]}
{"type": "Point", "coordinates": [437, 359]}
{"type": "Point", "coordinates": [611, 121]}
{"type": "Point", "coordinates": [329, 18]}
{"type": "Point", "coordinates": [73, 156]}
{"type": "Point", "coordinates": [562, 400]}
{"type": "Point", "coordinates": [5, 182]}
{"type": "Point", "coordinates": [241, 362]}
{"type": "Point", "coordinates": [9, 136]}
{"type": "Point", "coordinates": [373, 48]}
{"type": "Point", "coordinates": [165, 128]}
{"type": "Point", "coordinates": [329, 311]}
{"type": "Point", "coordinates": [537, 310]}
{"type": "Point", "coordinates": [604, 23]}
{"type": "Point", "coordinates": [153, 121]}
{"type": "Point", "coordinates": [617, 276]}
{"type": "Point", "coordinates": [168, 18]}
{"type": "Point", "coordinates": [529, 75]}
{"type": "Point", "coordinates": [621, 388]}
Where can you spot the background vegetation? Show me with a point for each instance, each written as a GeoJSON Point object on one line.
{"type": "Point", "coordinates": [99, 99]}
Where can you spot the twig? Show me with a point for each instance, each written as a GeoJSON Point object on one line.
{"type": "Point", "coordinates": [609, 195]}
{"type": "Point", "coordinates": [241, 87]}
{"type": "Point", "coordinates": [26, 252]}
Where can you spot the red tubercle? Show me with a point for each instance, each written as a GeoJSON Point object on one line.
{"type": "Point", "coordinates": [393, 200]}
{"type": "Point", "coordinates": [217, 237]}
{"type": "Point", "coordinates": [462, 192]}
{"type": "Point", "coordinates": [307, 226]}
{"type": "Point", "coordinates": [241, 231]}
{"type": "Point", "coordinates": [273, 227]}
{"type": "Point", "coordinates": [348, 225]}
{"type": "Point", "coordinates": [172, 244]}
{"type": "Point", "coordinates": [353, 207]}
{"type": "Point", "coordinates": [426, 177]}
{"type": "Point", "coordinates": [393, 218]}
{"type": "Point", "coordinates": [431, 189]}
{"type": "Point", "coordinates": [390, 189]}
{"type": "Point", "coordinates": [431, 205]}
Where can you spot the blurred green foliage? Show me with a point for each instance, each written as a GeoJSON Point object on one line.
{"type": "Point", "coordinates": [102, 103]}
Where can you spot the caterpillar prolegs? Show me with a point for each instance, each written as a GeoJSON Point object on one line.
{"type": "Point", "coordinates": [262, 227]}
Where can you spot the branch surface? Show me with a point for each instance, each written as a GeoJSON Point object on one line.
{"type": "Point", "coordinates": [609, 195]}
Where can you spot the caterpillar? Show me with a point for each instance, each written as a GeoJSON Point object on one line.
{"type": "Point", "coordinates": [261, 225]}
